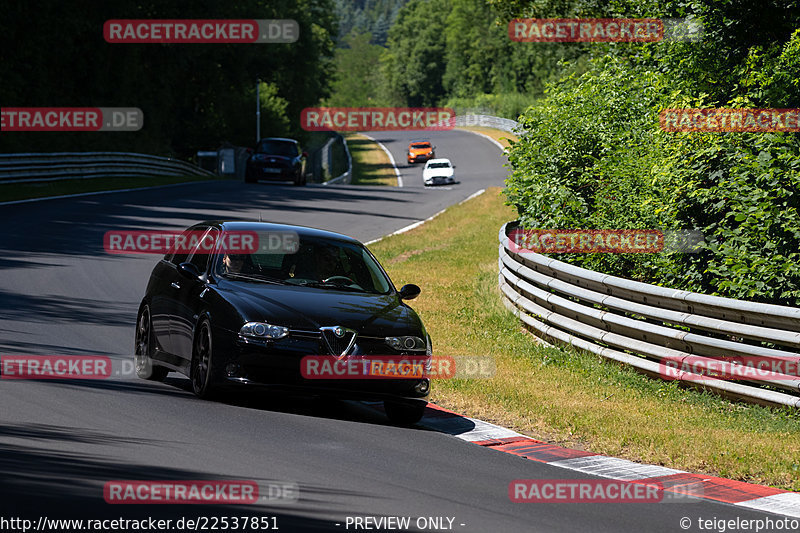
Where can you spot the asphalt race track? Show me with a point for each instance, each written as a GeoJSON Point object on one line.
{"type": "Point", "coordinates": [61, 441]}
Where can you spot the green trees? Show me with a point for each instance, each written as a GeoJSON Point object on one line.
{"type": "Point", "coordinates": [359, 81]}
{"type": "Point", "coordinates": [415, 60]}
{"type": "Point", "coordinates": [595, 156]}
{"type": "Point", "coordinates": [193, 95]}
{"type": "Point", "coordinates": [453, 53]}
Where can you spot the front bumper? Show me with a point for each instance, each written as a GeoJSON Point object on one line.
{"type": "Point", "coordinates": [422, 158]}
{"type": "Point", "coordinates": [439, 180]}
{"type": "Point", "coordinates": [276, 365]}
{"type": "Point", "coordinates": [264, 172]}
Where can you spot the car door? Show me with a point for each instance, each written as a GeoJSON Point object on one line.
{"type": "Point", "coordinates": [162, 303]}
{"type": "Point", "coordinates": [187, 298]}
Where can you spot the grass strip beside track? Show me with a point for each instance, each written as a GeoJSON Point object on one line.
{"type": "Point", "coordinates": [567, 397]}
{"type": "Point", "coordinates": [43, 189]}
{"type": "Point", "coordinates": [370, 164]}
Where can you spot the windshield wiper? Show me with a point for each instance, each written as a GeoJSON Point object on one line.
{"type": "Point", "coordinates": [321, 285]}
{"type": "Point", "coordinates": [255, 277]}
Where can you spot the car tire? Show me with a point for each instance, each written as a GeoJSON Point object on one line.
{"type": "Point", "coordinates": [404, 413]}
{"type": "Point", "coordinates": [143, 349]}
{"type": "Point", "coordinates": [201, 368]}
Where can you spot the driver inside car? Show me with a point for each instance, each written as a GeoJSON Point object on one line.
{"type": "Point", "coordinates": [327, 264]}
{"type": "Point", "coordinates": [236, 264]}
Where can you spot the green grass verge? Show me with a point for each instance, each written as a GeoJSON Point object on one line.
{"type": "Point", "coordinates": [498, 135]}
{"type": "Point", "coordinates": [371, 166]}
{"type": "Point", "coordinates": [564, 396]}
{"type": "Point", "coordinates": [42, 189]}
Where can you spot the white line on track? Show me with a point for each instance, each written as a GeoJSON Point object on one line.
{"type": "Point", "coordinates": [421, 222]}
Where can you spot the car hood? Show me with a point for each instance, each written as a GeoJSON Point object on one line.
{"type": "Point", "coordinates": [309, 309]}
{"type": "Point", "coordinates": [438, 173]}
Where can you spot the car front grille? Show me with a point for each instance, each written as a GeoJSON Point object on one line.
{"type": "Point", "coordinates": [338, 345]}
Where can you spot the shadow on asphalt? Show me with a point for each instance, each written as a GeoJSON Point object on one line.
{"type": "Point", "coordinates": [41, 481]}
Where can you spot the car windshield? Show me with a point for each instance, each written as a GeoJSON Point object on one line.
{"type": "Point", "coordinates": [439, 165]}
{"type": "Point", "coordinates": [282, 148]}
{"type": "Point", "coordinates": [309, 261]}
{"type": "Point", "coordinates": [421, 145]}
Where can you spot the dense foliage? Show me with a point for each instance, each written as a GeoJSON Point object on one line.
{"type": "Point", "coordinates": [194, 96]}
{"type": "Point", "coordinates": [373, 17]}
{"type": "Point", "coordinates": [453, 53]}
{"type": "Point", "coordinates": [595, 156]}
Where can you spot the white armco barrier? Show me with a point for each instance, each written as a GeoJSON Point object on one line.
{"type": "Point", "coordinates": [74, 165]}
{"type": "Point", "coordinates": [666, 333]}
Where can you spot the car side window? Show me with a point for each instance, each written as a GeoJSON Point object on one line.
{"type": "Point", "coordinates": [177, 256]}
{"type": "Point", "coordinates": [201, 253]}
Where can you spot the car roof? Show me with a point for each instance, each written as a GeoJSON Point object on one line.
{"type": "Point", "coordinates": [278, 139]}
{"type": "Point", "coordinates": [303, 231]}
{"type": "Point", "coordinates": [441, 160]}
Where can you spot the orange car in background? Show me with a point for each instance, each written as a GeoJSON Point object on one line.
{"type": "Point", "coordinates": [420, 151]}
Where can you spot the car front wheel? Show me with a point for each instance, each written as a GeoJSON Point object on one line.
{"type": "Point", "coordinates": [145, 342]}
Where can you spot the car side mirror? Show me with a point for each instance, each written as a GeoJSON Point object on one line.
{"type": "Point", "coordinates": [188, 270]}
{"type": "Point", "coordinates": [409, 291]}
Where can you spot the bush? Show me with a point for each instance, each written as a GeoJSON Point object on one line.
{"type": "Point", "coordinates": [595, 157]}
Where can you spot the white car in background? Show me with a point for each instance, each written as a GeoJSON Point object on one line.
{"type": "Point", "coordinates": [437, 171]}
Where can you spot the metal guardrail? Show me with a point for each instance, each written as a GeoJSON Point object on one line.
{"type": "Point", "coordinates": [15, 168]}
{"type": "Point", "coordinates": [347, 175]}
{"type": "Point", "coordinates": [487, 121]}
{"type": "Point", "coordinates": [650, 327]}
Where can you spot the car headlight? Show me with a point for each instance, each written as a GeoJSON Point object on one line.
{"type": "Point", "coordinates": [406, 343]}
{"type": "Point", "coordinates": [262, 330]}
{"type": "Point", "coordinates": [411, 154]}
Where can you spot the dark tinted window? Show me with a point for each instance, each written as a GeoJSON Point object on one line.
{"type": "Point", "coordinates": [201, 254]}
{"type": "Point", "coordinates": [178, 257]}
{"type": "Point", "coordinates": [282, 148]}
{"type": "Point", "coordinates": [314, 261]}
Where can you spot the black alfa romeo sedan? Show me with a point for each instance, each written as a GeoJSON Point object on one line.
{"type": "Point", "coordinates": [228, 316]}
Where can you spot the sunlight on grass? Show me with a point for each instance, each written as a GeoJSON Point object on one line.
{"type": "Point", "coordinates": [564, 396]}
{"type": "Point", "coordinates": [371, 165]}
